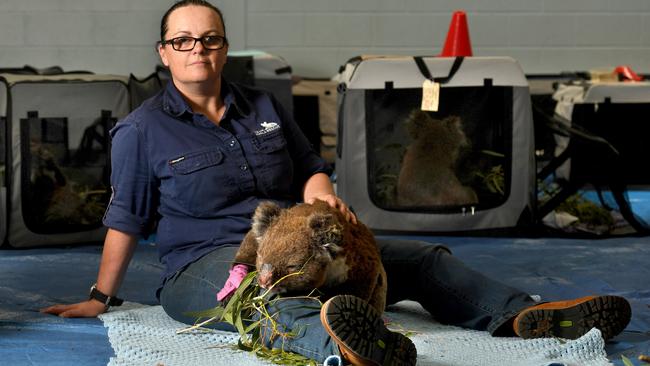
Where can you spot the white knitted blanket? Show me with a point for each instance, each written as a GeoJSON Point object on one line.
{"type": "Point", "coordinates": [147, 336]}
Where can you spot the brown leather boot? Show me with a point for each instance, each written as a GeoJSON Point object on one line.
{"type": "Point", "coordinates": [573, 318]}
{"type": "Point", "coordinates": [362, 337]}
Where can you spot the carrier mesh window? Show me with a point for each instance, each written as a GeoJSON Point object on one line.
{"type": "Point", "coordinates": [625, 126]}
{"type": "Point", "coordinates": [447, 161]}
{"type": "Point", "coordinates": [3, 151]}
{"type": "Point", "coordinates": [64, 183]}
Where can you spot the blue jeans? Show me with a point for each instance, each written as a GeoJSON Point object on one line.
{"type": "Point", "coordinates": [453, 293]}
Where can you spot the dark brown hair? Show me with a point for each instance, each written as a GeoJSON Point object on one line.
{"type": "Point", "coordinates": [163, 22]}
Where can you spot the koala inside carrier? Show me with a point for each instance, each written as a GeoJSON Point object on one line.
{"type": "Point", "coordinates": [56, 152]}
{"type": "Point", "coordinates": [467, 166]}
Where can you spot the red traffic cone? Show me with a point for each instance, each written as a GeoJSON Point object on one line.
{"type": "Point", "coordinates": [627, 74]}
{"type": "Point", "coordinates": [457, 42]}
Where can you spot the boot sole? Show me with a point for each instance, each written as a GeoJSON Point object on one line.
{"type": "Point", "coordinates": [361, 335]}
{"type": "Point", "coordinates": [610, 314]}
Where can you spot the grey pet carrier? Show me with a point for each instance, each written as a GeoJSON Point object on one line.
{"type": "Point", "coordinates": [467, 166]}
{"type": "Point", "coordinates": [55, 160]}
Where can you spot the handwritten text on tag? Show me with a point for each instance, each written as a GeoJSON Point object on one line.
{"type": "Point", "coordinates": [430, 95]}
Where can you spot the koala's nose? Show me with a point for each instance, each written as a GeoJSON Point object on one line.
{"type": "Point", "coordinates": [265, 276]}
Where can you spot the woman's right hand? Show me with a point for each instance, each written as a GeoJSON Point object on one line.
{"type": "Point", "coordinates": [85, 309]}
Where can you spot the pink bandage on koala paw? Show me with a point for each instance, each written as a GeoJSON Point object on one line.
{"type": "Point", "coordinates": [237, 274]}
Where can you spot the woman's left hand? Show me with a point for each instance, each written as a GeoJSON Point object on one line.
{"type": "Point", "coordinates": [336, 203]}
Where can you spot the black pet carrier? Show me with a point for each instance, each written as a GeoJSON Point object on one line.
{"type": "Point", "coordinates": [601, 134]}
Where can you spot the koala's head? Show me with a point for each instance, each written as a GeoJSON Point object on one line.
{"type": "Point", "coordinates": [447, 132]}
{"type": "Point", "coordinates": [455, 131]}
{"type": "Point", "coordinates": [304, 239]}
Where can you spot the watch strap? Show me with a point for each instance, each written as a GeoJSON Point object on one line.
{"type": "Point", "coordinates": [103, 298]}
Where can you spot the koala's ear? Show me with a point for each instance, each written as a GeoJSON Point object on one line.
{"type": "Point", "coordinates": [417, 122]}
{"type": "Point", "coordinates": [265, 214]}
{"type": "Point", "coordinates": [319, 222]}
{"type": "Point", "coordinates": [327, 232]}
{"type": "Point", "coordinates": [455, 125]}
{"type": "Point", "coordinates": [452, 121]}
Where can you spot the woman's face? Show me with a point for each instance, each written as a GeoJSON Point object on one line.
{"type": "Point", "coordinates": [198, 65]}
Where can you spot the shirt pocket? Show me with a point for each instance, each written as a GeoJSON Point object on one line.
{"type": "Point", "coordinates": [190, 163]}
{"type": "Point", "coordinates": [273, 163]}
{"type": "Point", "coordinates": [270, 142]}
{"type": "Point", "coordinates": [202, 183]}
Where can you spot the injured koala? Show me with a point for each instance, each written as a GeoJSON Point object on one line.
{"type": "Point", "coordinates": [427, 176]}
{"type": "Point", "coordinates": [331, 254]}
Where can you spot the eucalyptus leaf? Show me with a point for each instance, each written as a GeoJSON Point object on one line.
{"type": "Point", "coordinates": [215, 312]}
{"type": "Point", "coordinates": [239, 324]}
{"type": "Point", "coordinates": [626, 361]}
{"type": "Point", "coordinates": [252, 326]}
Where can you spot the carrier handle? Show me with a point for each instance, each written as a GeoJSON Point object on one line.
{"type": "Point", "coordinates": [419, 61]}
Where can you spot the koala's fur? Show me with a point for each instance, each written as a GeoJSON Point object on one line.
{"type": "Point", "coordinates": [335, 256]}
{"type": "Point", "coordinates": [427, 176]}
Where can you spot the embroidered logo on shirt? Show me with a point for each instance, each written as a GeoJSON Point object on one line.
{"type": "Point", "coordinates": [266, 128]}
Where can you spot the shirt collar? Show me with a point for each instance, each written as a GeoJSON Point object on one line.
{"type": "Point", "coordinates": [232, 96]}
{"type": "Point", "coordinates": [175, 104]}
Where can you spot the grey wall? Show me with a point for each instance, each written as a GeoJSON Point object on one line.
{"type": "Point", "coordinates": [316, 36]}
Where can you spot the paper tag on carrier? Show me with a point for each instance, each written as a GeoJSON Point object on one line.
{"type": "Point", "coordinates": [430, 95]}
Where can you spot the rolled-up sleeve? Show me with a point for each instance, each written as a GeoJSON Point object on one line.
{"type": "Point", "coordinates": [133, 203]}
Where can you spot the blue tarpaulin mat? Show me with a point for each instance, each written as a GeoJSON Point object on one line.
{"type": "Point", "coordinates": [552, 268]}
{"type": "Point", "coordinates": [31, 279]}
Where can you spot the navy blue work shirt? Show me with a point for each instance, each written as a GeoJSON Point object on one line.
{"type": "Point", "coordinates": [201, 182]}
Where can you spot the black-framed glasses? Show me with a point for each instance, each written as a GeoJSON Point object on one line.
{"type": "Point", "coordinates": [186, 43]}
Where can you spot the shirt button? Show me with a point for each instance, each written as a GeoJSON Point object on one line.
{"type": "Point", "coordinates": [243, 167]}
{"type": "Point", "coordinates": [232, 143]}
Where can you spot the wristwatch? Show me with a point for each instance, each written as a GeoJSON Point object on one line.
{"type": "Point", "coordinates": [103, 298]}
